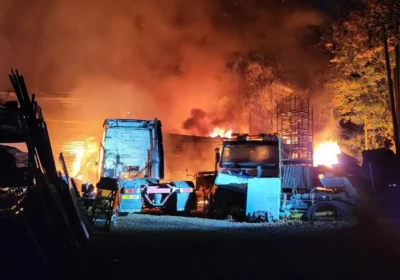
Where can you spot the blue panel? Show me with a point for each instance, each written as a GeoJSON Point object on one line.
{"type": "Point", "coordinates": [185, 196]}
{"type": "Point", "coordinates": [263, 196]}
{"type": "Point", "coordinates": [130, 202]}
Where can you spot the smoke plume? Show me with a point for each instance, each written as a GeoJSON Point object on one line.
{"type": "Point", "coordinates": [163, 59]}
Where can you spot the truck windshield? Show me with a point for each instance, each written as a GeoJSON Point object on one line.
{"type": "Point", "coordinates": [249, 155]}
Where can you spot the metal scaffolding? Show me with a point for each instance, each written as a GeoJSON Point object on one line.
{"type": "Point", "coordinates": [294, 121]}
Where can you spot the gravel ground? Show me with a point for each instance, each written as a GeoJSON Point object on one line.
{"type": "Point", "coordinates": [170, 247]}
{"type": "Point", "coordinates": [157, 223]}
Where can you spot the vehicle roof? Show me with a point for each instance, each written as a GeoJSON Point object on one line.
{"type": "Point", "coordinates": [251, 142]}
{"type": "Point", "coordinates": [130, 123]}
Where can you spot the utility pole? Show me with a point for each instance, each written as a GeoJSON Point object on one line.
{"type": "Point", "coordinates": [391, 93]}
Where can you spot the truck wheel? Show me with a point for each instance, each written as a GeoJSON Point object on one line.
{"type": "Point", "coordinates": [258, 217]}
{"type": "Point", "coordinates": [341, 211]}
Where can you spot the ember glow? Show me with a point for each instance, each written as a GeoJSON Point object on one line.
{"type": "Point", "coordinates": [326, 154]}
{"type": "Point", "coordinates": [221, 132]}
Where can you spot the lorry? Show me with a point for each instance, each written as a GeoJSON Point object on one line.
{"type": "Point", "coordinates": [132, 152]}
{"type": "Point", "coordinates": [256, 181]}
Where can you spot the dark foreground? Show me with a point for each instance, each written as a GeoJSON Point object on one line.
{"type": "Point", "coordinates": [186, 248]}
{"type": "Point", "coordinates": [156, 247]}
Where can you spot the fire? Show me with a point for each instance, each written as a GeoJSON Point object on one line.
{"type": "Point", "coordinates": [326, 154]}
{"type": "Point", "coordinates": [221, 132]}
{"type": "Point", "coordinates": [76, 149]}
{"type": "Point", "coordinates": [79, 157]}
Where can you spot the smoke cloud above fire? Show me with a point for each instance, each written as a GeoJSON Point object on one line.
{"type": "Point", "coordinates": [164, 59]}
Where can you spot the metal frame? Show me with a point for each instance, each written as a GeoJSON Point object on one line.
{"type": "Point", "coordinates": [166, 190]}
{"type": "Point", "coordinates": [295, 127]}
{"type": "Point", "coordinates": [295, 130]}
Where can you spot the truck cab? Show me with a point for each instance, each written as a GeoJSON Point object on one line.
{"type": "Point", "coordinates": [247, 156]}
{"type": "Point", "coordinates": [132, 152]}
{"type": "Point", "coordinates": [248, 175]}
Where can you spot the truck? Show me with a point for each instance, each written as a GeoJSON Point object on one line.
{"type": "Point", "coordinates": [256, 181]}
{"type": "Point", "coordinates": [132, 152]}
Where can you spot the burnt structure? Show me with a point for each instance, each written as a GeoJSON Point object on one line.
{"type": "Point", "coordinates": [187, 155]}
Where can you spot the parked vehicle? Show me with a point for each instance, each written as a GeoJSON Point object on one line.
{"type": "Point", "coordinates": [132, 151]}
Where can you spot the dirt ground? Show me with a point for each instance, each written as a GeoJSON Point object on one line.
{"type": "Point", "coordinates": [166, 247]}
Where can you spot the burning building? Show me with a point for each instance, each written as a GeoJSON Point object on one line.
{"type": "Point", "coordinates": [78, 135]}
{"type": "Point", "coordinates": [79, 140]}
{"type": "Point", "coordinates": [75, 137]}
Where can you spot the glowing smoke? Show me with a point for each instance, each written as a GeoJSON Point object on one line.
{"type": "Point", "coordinates": [153, 58]}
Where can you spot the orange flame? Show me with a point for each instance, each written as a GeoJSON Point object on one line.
{"type": "Point", "coordinates": [326, 154]}
{"type": "Point", "coordinates": [81, 156]}
{"type": "Point", "coordinates": [76, 149]}
{"type": "Point", "coordinates": [221, 132]}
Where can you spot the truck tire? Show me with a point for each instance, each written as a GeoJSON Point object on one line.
{"type": "Point", "coordinates": [342, 210]}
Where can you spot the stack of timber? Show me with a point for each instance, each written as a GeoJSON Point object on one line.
{"type": "Point", "coordinates": [41, 221]}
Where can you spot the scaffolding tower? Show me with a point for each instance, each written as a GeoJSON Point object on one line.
{"type": "Point", "coordinates": [294, 121]}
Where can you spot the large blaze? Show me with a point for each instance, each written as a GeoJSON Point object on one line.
{"type": "Point", "coordinates": [221, 132]}
{"type": "Point", "coordinates": [326, 154]}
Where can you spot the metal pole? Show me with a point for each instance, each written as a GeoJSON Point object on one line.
{"type": "Point", "coordinates": [391, 94]}
{"type": "Point", "coordinates": [280, 147]}
{"type": "Point", "coordinates": [155, 156]}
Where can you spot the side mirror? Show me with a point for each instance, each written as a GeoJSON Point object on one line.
{"type": "Point", "coordinates": [217, 155]}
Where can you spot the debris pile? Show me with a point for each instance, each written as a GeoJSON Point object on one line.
{"type": "Point", "coordinates": [42, 224]}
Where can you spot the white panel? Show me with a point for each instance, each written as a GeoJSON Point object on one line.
{"type": "Point", "coordinates": [224, 179]}
{"type": "Point", "coordinates": [263, 194]}
{"type": "Point", "coordinates": [231, 182]}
